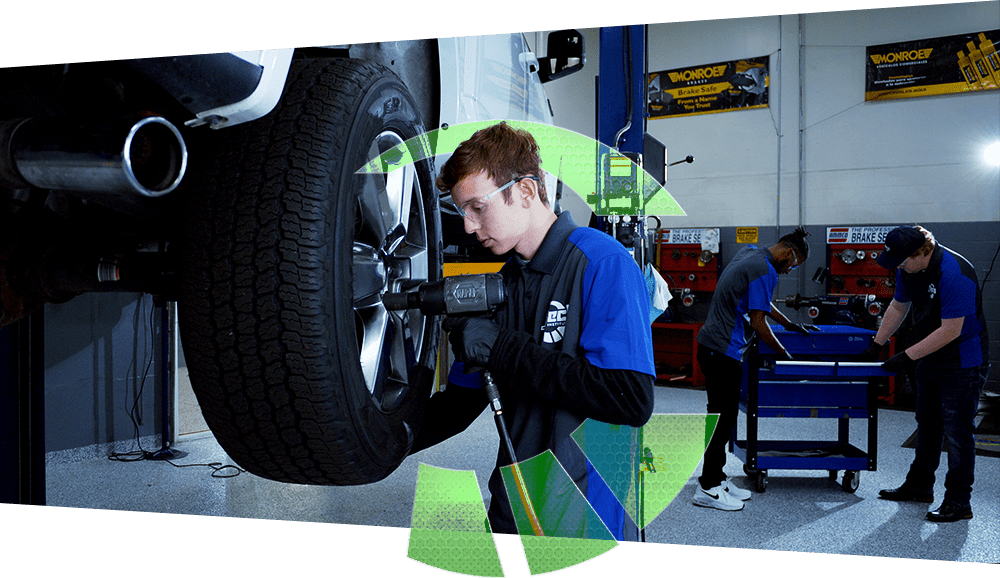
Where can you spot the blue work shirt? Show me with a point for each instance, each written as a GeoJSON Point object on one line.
{"type": "Point", "coordinates": [746, 284]}
{"type": "Point", "coordinates": [947, 289]}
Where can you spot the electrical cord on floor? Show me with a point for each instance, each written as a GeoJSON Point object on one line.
{"type": "Point", "coordinates": [217, 467]}
{"type": "Point", "coordinates": [133, 412]}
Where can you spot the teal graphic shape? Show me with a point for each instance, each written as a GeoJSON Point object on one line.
{"type": "Point", "coordinates": [610, 183]}
{"type": "Point", "coordinates": [449, 529]}
{"type": "Point", "coordinates": [565, 530]}
{"type": "Point", "coordinates": [646, 467]}
{"type": "Point", "coordinates": [613, 450]}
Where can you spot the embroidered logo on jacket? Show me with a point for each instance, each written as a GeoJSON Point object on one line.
{"type": "Point", "coordinates": [555, 323]}
{"type": "Point", "coordinates": [931, 290]}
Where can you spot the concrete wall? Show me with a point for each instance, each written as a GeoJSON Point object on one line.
{"type": "Point", "coordinates": [820, 155]}
{"type": "Point", "coordinates": [98, 349]}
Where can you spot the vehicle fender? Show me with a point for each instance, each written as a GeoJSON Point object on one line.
{"type": "Point", "coordinates": [274, 70]}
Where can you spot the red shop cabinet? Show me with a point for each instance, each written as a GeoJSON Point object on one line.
{"type": "Point", "coordinates": [674, 349]}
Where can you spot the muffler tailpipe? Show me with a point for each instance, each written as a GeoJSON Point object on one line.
{"type": "Point", "coordinates": [147, 157]}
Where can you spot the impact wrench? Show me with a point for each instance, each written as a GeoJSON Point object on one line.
{"type": "Point", "coordinates": [460, 295]}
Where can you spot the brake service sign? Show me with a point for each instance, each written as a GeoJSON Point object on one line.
{"type": "Point", "coordinates": [859, 235]}
{"type": "Point", "coordinates": [708, 88]}
{"type": "Point", "coordinates": [687, 236]}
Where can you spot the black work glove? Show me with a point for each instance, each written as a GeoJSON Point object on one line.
{"type": "Point", "coordinates": [897, 363]}
{"type": "Point", "coordinates": [803, 328]}
{"type": "Point", "coordinates": [872, 353]}
{"type": "Point", "coordinates": [471, 338]}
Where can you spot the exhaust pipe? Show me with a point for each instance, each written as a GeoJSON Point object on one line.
{"type": "Point", "coordinates": [147, 157]}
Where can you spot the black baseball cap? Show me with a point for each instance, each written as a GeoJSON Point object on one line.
{"type": "Point", "coordinates": [900, 243]}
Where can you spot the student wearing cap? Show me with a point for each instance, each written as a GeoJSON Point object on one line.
{"type": "Point", "coordinates": [940, 289]}
{"type": "Point", "coordinates": [739, 308]}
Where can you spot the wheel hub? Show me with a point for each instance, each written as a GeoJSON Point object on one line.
{"type": "Point", "coordinates": [390, 255]}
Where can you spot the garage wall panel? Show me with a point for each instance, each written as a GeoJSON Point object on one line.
{"type": "Point", "coordinates": [894, 194]}
{"type": "Point", "coordinates": [884, 25]}
{"type": "Point", "coordinates": [727, 200]}
{"type": "Point", "coordinates": [717, 40]}
{"type": "Point", "coordinates": [97, 351]}
{"type": "Point", "coordinates": [854, 150]}
{"type": "Point", "coordinates": [908, 160]}
{"type": "Point", "coordinates": [835, 76]}
{"type": "Point", "coordinates": [733, 180]}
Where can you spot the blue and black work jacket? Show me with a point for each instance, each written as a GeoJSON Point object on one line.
{"type": "Point", "coordinates": [947, 289]}
{"type": "Point", "coordinates": [575, 343]}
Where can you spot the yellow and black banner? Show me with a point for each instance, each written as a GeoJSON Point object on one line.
{"type": "Point", "coordinates": [734, 85]}
{"type": "Point", "coordinates": [946, 65]}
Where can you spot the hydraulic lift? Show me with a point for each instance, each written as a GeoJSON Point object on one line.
{"type": "Point", "coordinates": [22, 408]}
{"type": "Point", "coordinates": [22, 424]}
{"type": "Point", "coordinates": [621, 125]}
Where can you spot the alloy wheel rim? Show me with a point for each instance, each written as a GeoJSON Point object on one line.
{"type": "Point", "coordinates": [390, 253]}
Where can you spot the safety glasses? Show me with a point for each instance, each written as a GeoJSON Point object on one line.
{"type": "Point", "coordinates": [476, 210]}
{"type": "Point", "coordinates": [797, 262]}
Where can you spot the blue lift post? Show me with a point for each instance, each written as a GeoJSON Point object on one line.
{"type": "Point", "coordinates": [621, 121]}
{"type": "Point", "coordinates": [22, 411]}
{"type": "Point", "coordinates": [621, 125]}
{"type": "Point", "coordinates": [622, 88]}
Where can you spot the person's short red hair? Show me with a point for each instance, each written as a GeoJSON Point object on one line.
{"type": "Point", "coordinates": [502, 151]}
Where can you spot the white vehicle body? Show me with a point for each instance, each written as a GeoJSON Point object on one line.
{"type": "Point", "coordinates": [490, 77]}
{"type": "Point", "coordinates": [481, 78]}
{"type": "Point", "coordinates": [274, 64]}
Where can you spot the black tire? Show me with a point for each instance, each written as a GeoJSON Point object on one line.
{"type": "Point", "coordinates": [760, 483]}
{"type": "Point", "coordinates": [851, 481]}
{"type": "Point", "coordinates": [301, 373]}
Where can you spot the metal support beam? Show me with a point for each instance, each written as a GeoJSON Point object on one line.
{"type": "Point", "coordinates": [22, 412]}
{"type": "Point", "coordinates": [621, 121]}
{"type": "Point", "coordinates": [622, 88]}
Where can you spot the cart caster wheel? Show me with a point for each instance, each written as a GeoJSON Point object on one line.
{"type": "Point", "coordinates": [833, 474]}
{"type": "Point", "coordinates": [760, 483]}
{"type": "Point", "coordinates": [851, 481]}
{"type": "Point", "coordinates": [750, 472]}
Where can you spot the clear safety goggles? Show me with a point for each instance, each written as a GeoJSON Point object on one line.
{"type": "Point", "coordinates": [477, 210]}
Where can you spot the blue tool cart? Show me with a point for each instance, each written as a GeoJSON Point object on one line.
{"type": "Point", "coordinates": [825, 380]}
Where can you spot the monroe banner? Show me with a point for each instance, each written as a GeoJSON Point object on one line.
{"type": "Point", "coordinates": [946, 65]}
{"type": "Point", "coordinates": [738, 84]}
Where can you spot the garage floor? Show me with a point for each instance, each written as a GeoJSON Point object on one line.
{"type": "Point", "coordinates": [800, 510]}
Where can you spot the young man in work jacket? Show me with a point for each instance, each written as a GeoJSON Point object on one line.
{"type": "Point", "coordinates": [573, 341]}
{"type": "Point", "coordinates": [940, 289]}
{"type": "Point", "coordinates": [739, 309]}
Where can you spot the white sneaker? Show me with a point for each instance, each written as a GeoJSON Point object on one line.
{"type": "Point", "coordinates": [736, 491]}
{"type": "Point", "coordinates": [717, 498]}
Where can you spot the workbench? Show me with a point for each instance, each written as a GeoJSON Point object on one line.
{"type": "Point", "coordinates": [825, 380]}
